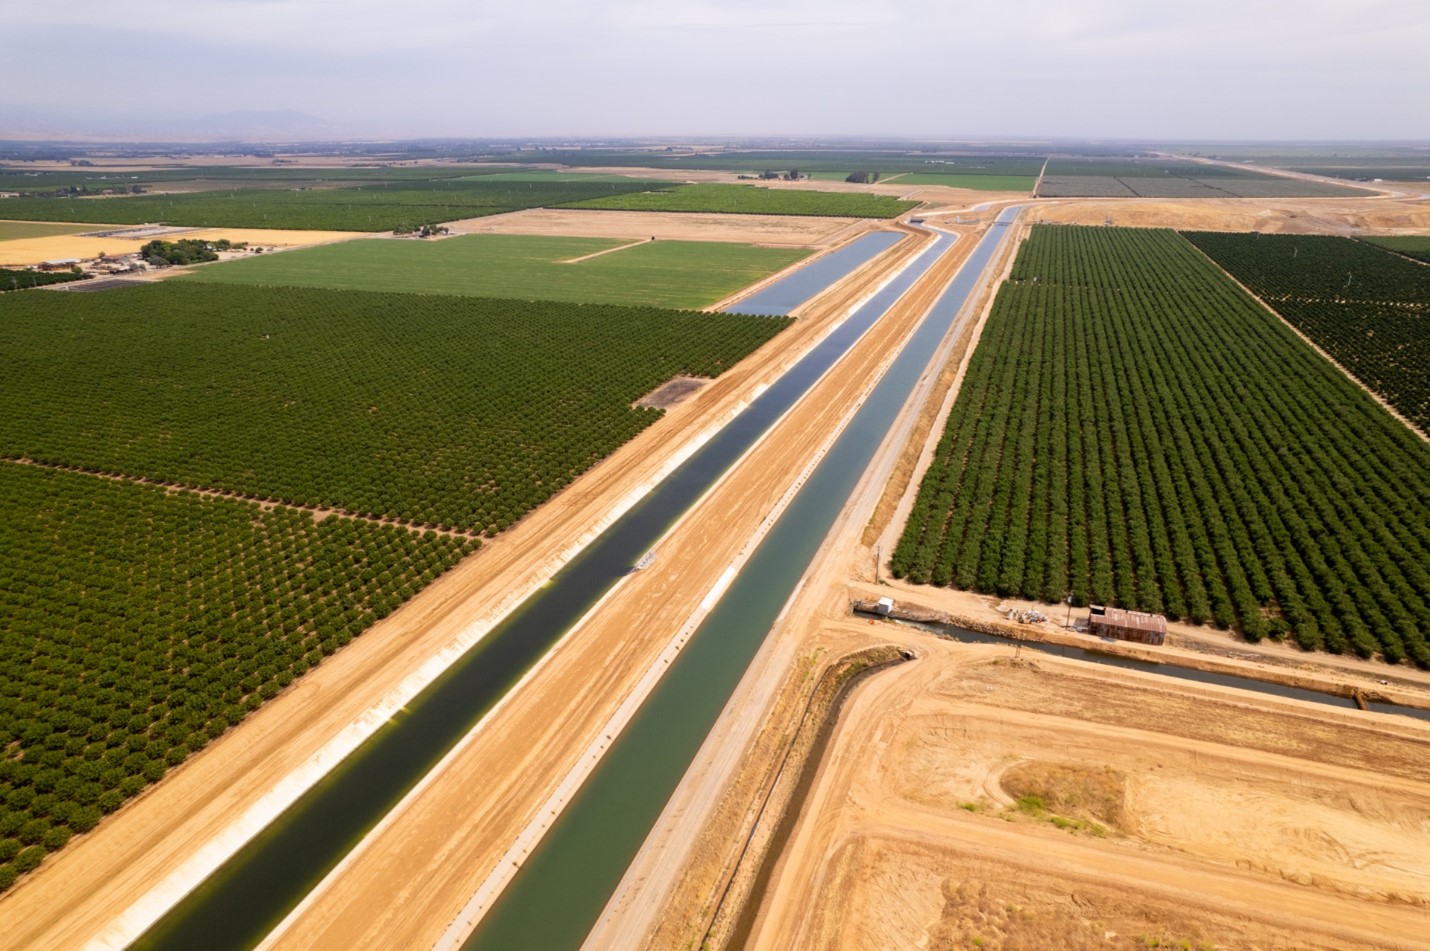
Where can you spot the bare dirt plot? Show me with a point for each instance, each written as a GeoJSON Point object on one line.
{"type": "Point", "coordinates": [1265, 824]}
{"type": "Point", "coordinates": [1290, 216]}
{"type": "Point", "coordinates": [675, 391]}
{"type": "Point", "coordinates": [803, 232]}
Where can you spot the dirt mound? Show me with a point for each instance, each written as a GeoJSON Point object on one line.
{"type": "Point", "coordinates": [1095, 794]}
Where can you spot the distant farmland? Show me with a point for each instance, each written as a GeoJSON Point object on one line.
{"type": "Point", "coordinates": [1134, 430]}
{"type": "Point", "coordinates": [1002, 183]}
{"type": "Point", "coordinates": [380, 206]}
{"type": "Point", "coordinates": [1168, 178]}
{"type": "Point", "coordinates": [752, 200]}
{"type": "Point", "coordinates": [1367, 308]}
{"type": "Point", "coordinates": [662, 273]}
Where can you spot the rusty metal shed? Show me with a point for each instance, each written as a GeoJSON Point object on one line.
{"type": "Point", "coordinates": [1127, 625]}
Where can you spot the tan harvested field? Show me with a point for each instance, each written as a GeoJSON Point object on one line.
{"type": "Point", "coordinates": [1193, 814]}
{"type": "Point", "coordinates": [81, 892]}
{"type": "Point", "coordinates": [785, 231]}
{"type": "Point", "coordinates": [23, 252]}
{"type": "Point", "coordinates": [1275, 216]}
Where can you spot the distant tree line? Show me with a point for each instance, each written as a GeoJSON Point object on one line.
{"type": "Point", "coordinates": [163, 253]}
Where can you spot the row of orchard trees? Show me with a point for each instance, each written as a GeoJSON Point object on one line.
{"type": "Point", "coordinates": [441, 411]}
{"type": "Point", "coordinates": [1365, 306]}
{"type": "Point", "coordinates": [136, 626]}
{"type": "Point", "coordinates": [1134, 430]}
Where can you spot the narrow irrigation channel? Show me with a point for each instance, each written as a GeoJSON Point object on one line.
{"type": "Point", "coordinates": [1094, 656]}
{"type": "Point", "coordinates": [242, 901]}
{"type": "Point", "coordinates": [562, 887]}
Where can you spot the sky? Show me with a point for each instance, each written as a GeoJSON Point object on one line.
{"type": "Point", "coordinates": [1134, 69]}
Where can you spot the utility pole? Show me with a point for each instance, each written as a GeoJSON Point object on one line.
{"type": "Point", "coordinates": [878, 557]}
{"type": "Point", "coordinates": [1068, 622]}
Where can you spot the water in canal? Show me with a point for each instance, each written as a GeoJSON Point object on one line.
{"type": "Point", "coordinates": [242, 901]}
{"type": "Point", "coordinates": [1166, 670]}
{"type": "Point", "coordinates": [794, 289]}
{"type": "Point", "coordinates": [555, 899]}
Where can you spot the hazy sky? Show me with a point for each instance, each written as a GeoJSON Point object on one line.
{"type": "Point", "coordinates": [1309, 69]}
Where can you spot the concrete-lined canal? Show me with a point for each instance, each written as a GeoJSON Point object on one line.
{"type": "Point", "coordinates": [241, 902]}
{"type": "Point", "coordinates": [562, 887]}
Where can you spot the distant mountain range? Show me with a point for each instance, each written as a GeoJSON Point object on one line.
{"type": "Point", "coordinates": [249, 125]}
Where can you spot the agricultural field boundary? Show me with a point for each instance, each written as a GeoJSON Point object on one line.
{"type": "Point", "coordinates": [147, 910]}
{"type": "Point", "coordinates": [597, 254]}
{"type": "Point", "coordinates": [318, 512]}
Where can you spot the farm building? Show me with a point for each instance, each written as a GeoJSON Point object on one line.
{"type": "Point", "coordinates": [63, 264]}
{"type": "Point", "coordinates": [1127, 625]}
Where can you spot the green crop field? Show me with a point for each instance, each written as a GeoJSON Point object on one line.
{"type": "Point", "coordinates": [1412, 246]}
{"type": "Point", "coordinates": [95, 180]}
{"type": "Point", "coordinates": [546, 175]}
{"type": "Point", "coordinates": [660, 273]}
{"type": "Point", "coordinates": [1366, 307]}
{"type": "Point", "coordinates": [438, 410]}
{"type": "Point", "coordinates": [20, 279]}
{"type": "Point", "coordinates": [752, 200]}
{"type": "Point", "coordinates": [371, 207]}
{"type": "Point", "coordinates": [808, 161]}
{"type": "Point", "coordinates": [1172, 178]}
{"type": "Point", "coordinates": [136, 625]}
{"type": "Point", "coordinates": [1135, 430]}
{"type": "Point", "coordinates": [997, 183]}
{"type": "Point", "coordinates": [13, 230]}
